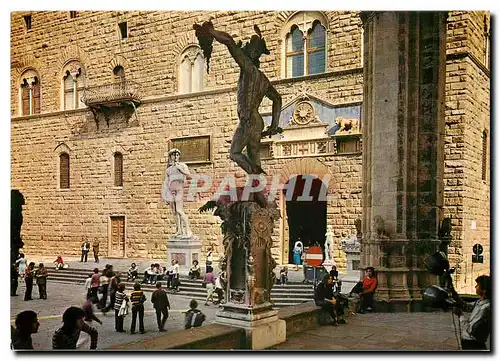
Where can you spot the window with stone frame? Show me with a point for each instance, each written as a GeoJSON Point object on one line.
{"type": "Point", "coordinates": [118, 169]}
{"type": "Point", "coordinates": [73, 84]}
{"type": "Point", "coordinates": [123, 30]}
{"type": "Point", "coordinates": [191, 70]}
{"type": "Point", "coordinates": [305, 45]}
{"type": "Point", "coordinates": [29, 93]}
{"type": "Point", "coordinates": [27, 22]}
{"type": "Point", "coordinates": [64, 171]}
{"type": "Point", "coordinates": [484, 154]}
{"type": "Point", "coordinates": [119, 74]}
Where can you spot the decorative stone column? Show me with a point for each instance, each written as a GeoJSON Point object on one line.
{"type": "Point", "coordinates": [249, 268]}
{"type": "Point", "coordinates": [403, 109]}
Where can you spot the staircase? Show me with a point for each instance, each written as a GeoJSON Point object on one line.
{"type": "Point", "coordinates": [281, 295]}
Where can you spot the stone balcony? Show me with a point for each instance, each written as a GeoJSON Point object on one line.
{"type": "Point", "coordinates": [111, 94]}
{"type": "Point", "coordinates": [102, 98]}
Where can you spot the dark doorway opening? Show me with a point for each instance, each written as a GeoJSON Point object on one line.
{"type": "Point", "coordinates": [306, 219]}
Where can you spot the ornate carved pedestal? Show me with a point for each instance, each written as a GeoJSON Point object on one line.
{"type": "Point", "coordinates": [249, 268]}
{"type": "Point", "coordinates": [352, 247]}
{"type": "Point", "coordinates": [184, 250]}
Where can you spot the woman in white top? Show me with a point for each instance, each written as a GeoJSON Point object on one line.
{"type": "Point", "coordinates": [87, 286]}
{"type": "Point", "coordinates": [21, 263]}
{"type": "Point", "coordinates": [175, 276]}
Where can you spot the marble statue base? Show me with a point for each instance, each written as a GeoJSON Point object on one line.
{"type": "Point", "coordinates": [184, 250]}
{"type": "Point", "coordinates": [262, 326]}
{"type": "Point", "coordinates": [328, 264]}
{"type": "Point", "coordinates": [352, 247]}
{"type": "Point", "coordinates": [245, 316]}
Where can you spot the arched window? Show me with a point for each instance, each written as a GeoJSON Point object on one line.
{"type": "Point", "coordinates": [191, 70]}
{"type": "Point", "coordinates": [29, 93]}
{"type": "Point", "coordinates": [304, 45]}
{"type": "Point", "coordinates": [118, 169]}
{"type": "Point", "coordinates": [64, 171]}
{"type": "Point", "coordinates": [295, 53]}
{"type": "Point", "coordinates": [73, 84]}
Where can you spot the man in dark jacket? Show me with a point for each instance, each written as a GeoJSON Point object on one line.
{"type": "Point", "coordinates": [159, 298]}
{"type": "Point", "coordinates": [26, 324]}
{"type": "Point", "coordinates": [323, 297]}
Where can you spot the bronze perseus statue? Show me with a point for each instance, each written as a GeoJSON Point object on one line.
{"type": "Point", "coordinates": [253, 86]}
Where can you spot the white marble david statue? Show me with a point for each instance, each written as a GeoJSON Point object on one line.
{"type": "Point", "coordinates": [328, 245]}
{"type": "Point", "coordinates": [173, 192]}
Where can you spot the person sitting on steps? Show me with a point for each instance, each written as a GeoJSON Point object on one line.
{"type": "Point", "coordinates": [323, 297]}
{"type": "Point", "coordinates": [366, 291]}
{"type": "Point", "coordinates": [133, 272]}
{"type": "Point", "coordinates": [194, 271]}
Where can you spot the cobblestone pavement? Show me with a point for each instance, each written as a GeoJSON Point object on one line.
{"type": "Point", "coordinates": [381, 332]}
{"type": "Point", "coordinates": [62, 296]}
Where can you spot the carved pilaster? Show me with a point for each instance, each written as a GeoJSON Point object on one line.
{"type": "Point", "coordinates": [402, 146]}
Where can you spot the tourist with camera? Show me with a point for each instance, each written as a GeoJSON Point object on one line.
{"type": "Point", "coordinates": [476, 327]}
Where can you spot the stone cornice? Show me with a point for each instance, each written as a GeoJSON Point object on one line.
{"type": "Point", "coordinates": [331, 74]}
{"type": "Point", "coordinates": [49, 114]}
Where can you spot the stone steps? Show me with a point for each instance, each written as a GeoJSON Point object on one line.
{"type": "Point", "coordinates": [281, 295]}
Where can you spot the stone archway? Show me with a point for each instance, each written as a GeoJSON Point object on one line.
{"type": "Point", "coordinates": [303, 166]}
{"type": "Point", "coordinates": [295, 169]}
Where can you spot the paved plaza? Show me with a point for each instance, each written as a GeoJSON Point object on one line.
{"type": "Point", "coordinates": [62, 296]}
{"type": "Point", "coordinates": [377, 331]}
{"type": "Point", "coordinates": [381, 332]}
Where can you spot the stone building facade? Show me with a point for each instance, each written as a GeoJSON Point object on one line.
{"type": "Point", "coordinates": [153, 57]}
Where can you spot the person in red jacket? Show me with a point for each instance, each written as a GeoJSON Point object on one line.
{"type": "Point", "coordinates": [369, 286]}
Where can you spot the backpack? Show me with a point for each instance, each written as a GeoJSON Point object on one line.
{"type": "Point", "coordinates": [194, 319]}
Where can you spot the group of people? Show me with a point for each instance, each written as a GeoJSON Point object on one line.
{"type": "Point", "coordinates": [155, 272]}
{"type": "Point", "coordinates": [327, 294]}
{"type": "Point", "coordinates": [77, 330]}
{"type": "Point", "coordinates": [28, 273]}
{"type": "Point", "coordinates": [214, 285]}
{"type": "Point", "coordinates": [86, 249]}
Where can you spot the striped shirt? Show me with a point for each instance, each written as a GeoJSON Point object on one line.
{"type": "Point", "coordinates": [137, 298]}
{"type": "Point", "coordinates": [119, 297]}
{"type": "Point", "coordinates": [477, 326]}
{"type": "Point", "coordinates": [67, 339]}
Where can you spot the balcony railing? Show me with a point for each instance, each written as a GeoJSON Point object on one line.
{"type": "Point", "coordinates": [115, 93]}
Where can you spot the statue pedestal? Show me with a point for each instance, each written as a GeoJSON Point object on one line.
{"type": "Point", "coordinates": [249, 268]}
{"type": "Point", "coordinates": [328, 264]}
{"type": "Point", "coordinates": [184, 250]}
{"type": "Point", "coordinates": [352, 247]}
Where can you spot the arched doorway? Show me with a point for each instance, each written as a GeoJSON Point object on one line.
{"type": "Point", "coordinates": [306, 219]}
